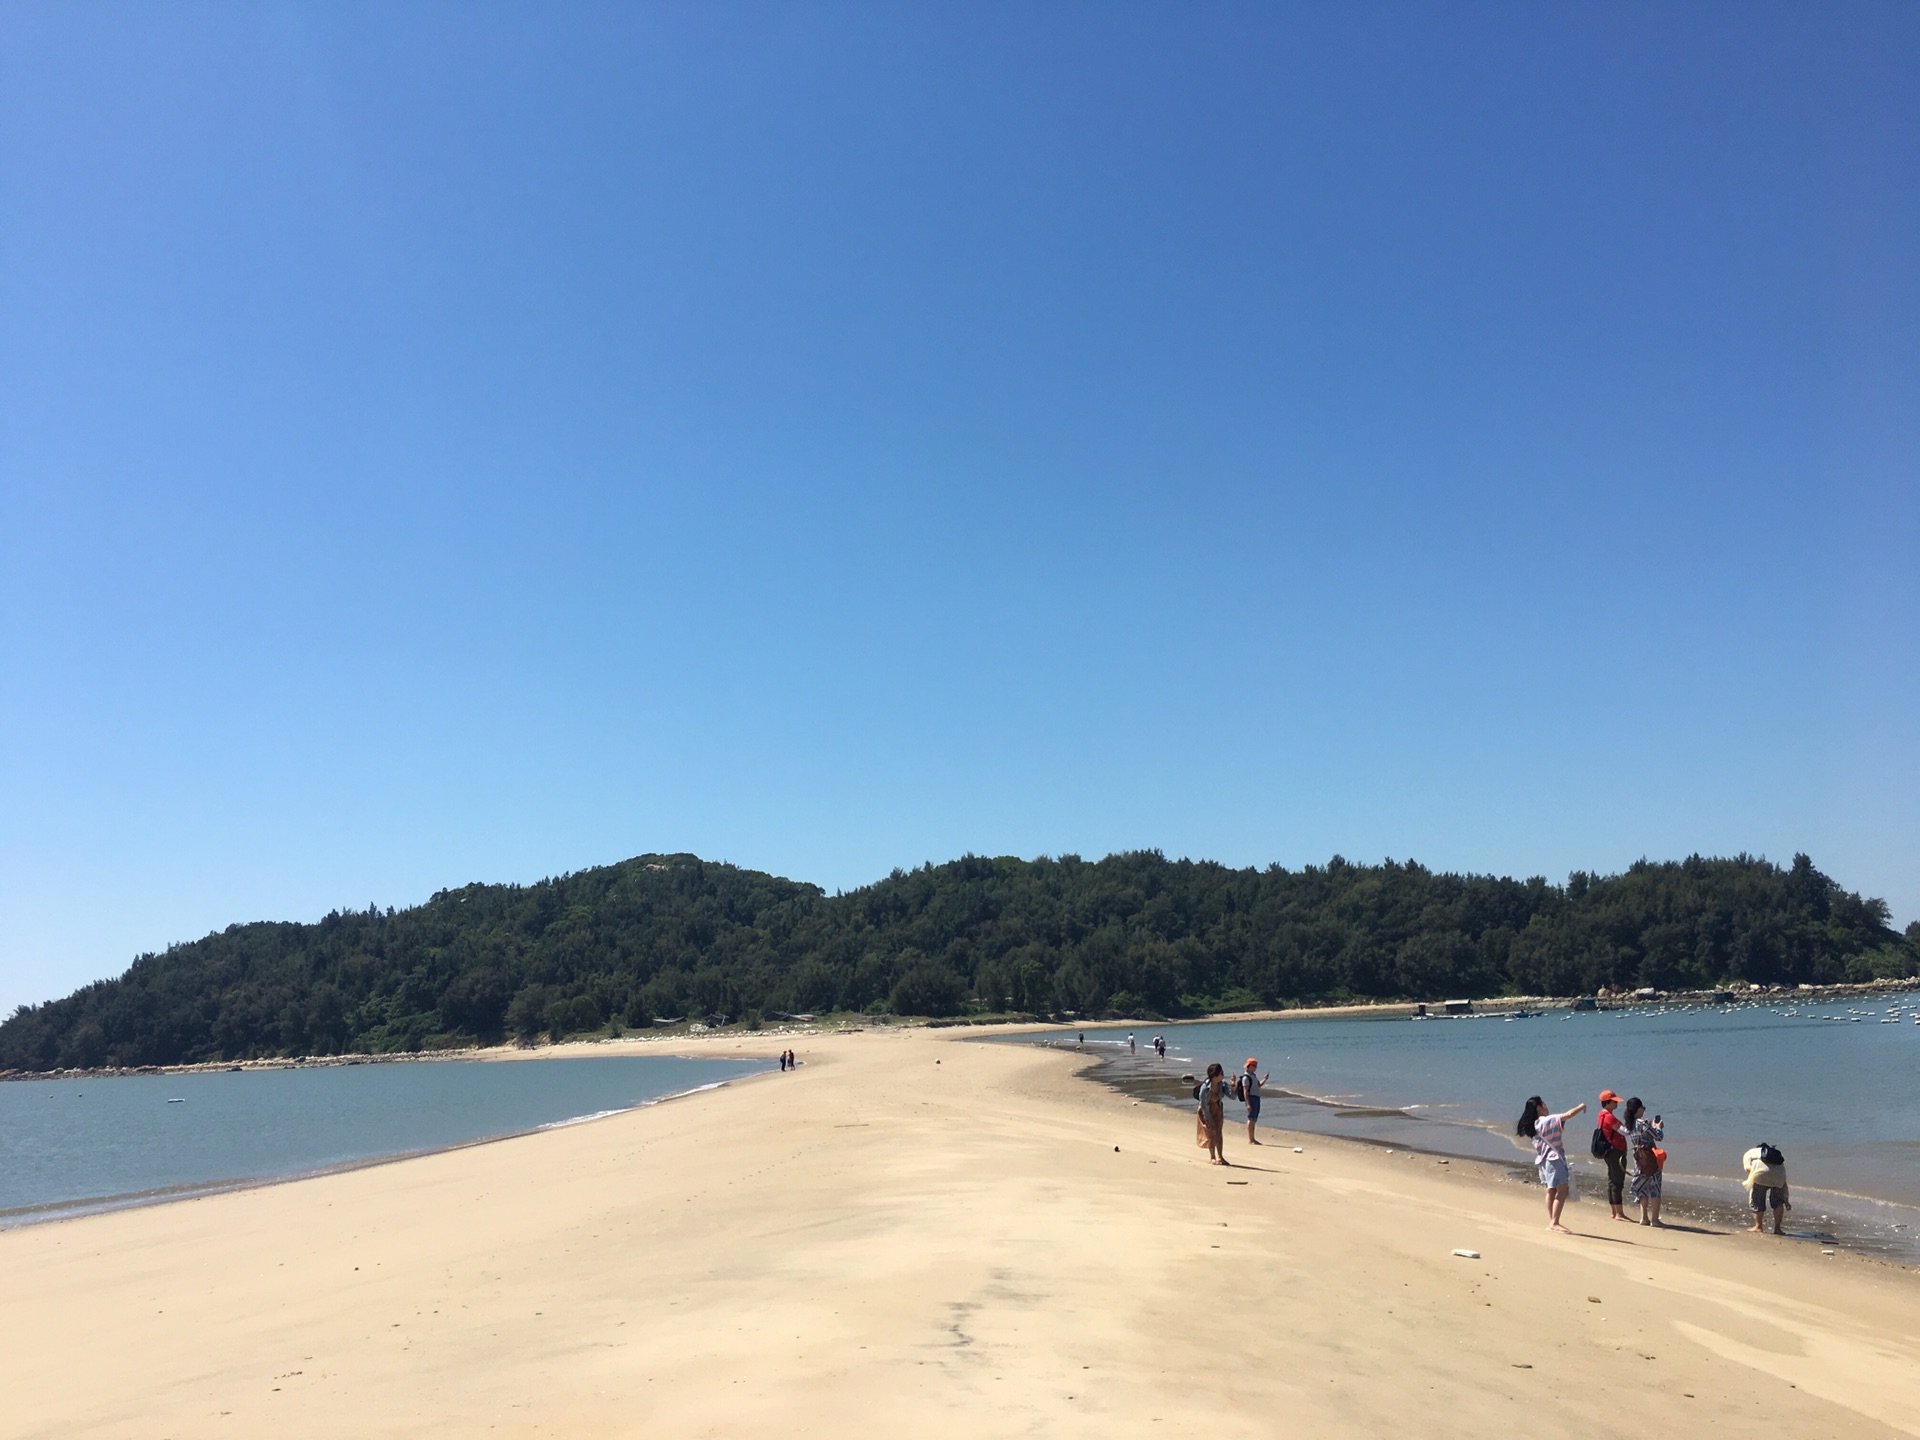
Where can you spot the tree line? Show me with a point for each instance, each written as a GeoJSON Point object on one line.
{"type": "Point", "coordinates": [1136, 934]}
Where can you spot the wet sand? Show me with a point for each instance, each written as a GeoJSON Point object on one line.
{"type": "Point", "coordinates": [915, 1234]}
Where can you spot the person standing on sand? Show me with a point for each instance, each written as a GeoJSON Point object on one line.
{"type": "Point", "coordinates": [1160, 1046]}
{"type": "Point", "coordinates": [1249, 1095]}
{"type": "Point", "coordinates": [1615, 1157]}
{"type": "Point", "coordinates": [1766, 1185]}
{"type": "Point", "coordinates": [1212, 1095]}
{"type": "Point", "coordinates": [1644, 1136]}
{"type": "Point", "coordinates": [1548, 1131]}
{"type": "Point", "coordinates": [1131, 1048]}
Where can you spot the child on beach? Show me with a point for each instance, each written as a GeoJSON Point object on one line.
{"type": "Point", "coordinates": [1766, 1185]}
{"type": "Point", "coordinates": [1247, 1092]}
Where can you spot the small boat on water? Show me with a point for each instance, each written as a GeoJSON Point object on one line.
{"type": "Point", "coordinates": [178, 1100]}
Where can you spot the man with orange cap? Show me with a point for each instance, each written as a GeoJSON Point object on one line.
{"type": "Point", "coordinates": [1610, 1133]}
{"type": "Point", "coordinates": [1248, 1092]}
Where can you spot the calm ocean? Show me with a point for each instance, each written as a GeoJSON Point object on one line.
{"type": "Point", "coordinates": [1836, 1086]}
{"type": "Point", "coordinates": [70, 1146]}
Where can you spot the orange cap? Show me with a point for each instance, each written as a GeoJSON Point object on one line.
{"type": "Point", "coordinates": [1606, 1095]}
{"type": "Point", "coordinates": [1253, 1064]}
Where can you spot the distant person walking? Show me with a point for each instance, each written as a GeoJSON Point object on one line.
{"type": "Point", "coordinates": [1247, 1090]}
{"type": "Point", "coordinates": [1160, 1047]}
{"type": "Point", "coordinates": [1132, 1049]}
{"type": "Point", "coordinates": [1766, 1185]}
{"type": "Point", "coordinates": [1613, 1135]}
{"type": "Point", "coordinates": [1211, 1116]}
{"type": "Point", "coordinates": [1548, 1131]}
{"type": "Point", "coordinates": [1644, 1136]}
{"type": "Point", "coordinates": [783, 1061]}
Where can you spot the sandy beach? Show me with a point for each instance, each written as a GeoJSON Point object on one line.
{"type": "Point", "coordinates": [918, 1234]}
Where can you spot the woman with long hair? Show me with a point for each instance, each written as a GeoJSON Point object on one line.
{"type": "Point", "coordinates": [1644, 1136]}
{"type": "Point", "coordinates": [1548, 1131]}
{"type": "Point", "coordinates": [1211, 1115]}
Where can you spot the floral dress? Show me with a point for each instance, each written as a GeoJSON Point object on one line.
{"type": "Point", "coordinates": [1210, 1129]}
{"type": "Point", "coordinates": [1646, 1166]}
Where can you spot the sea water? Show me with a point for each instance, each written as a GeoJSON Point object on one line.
{"type": "Point", "coordinates": [1835, 1085]}
{"type": "Point", "coordinates": [77, 1144]}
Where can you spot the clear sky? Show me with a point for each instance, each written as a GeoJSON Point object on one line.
{"type": "Point", "coordinates": [460, 442]}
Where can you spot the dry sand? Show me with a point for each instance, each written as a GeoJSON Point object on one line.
{"type": "Point", "coordinates": [918, 1235]}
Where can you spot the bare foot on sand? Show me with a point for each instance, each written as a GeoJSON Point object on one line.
{"type": "Point", "coordinates": [1559, 1229]}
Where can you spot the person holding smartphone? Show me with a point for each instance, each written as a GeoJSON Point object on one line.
{"type": "Point", "coordinates": [1645, 1135]}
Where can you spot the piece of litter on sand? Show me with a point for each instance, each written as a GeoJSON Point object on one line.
{"type": "Point", "coordinates": [1518, 1365]}
{"type": "Point", "coordinates": [1827, 1252]}
{"type": "Point", "coordinates": [1442, 1162]}
{"type": "Point", "coordinates": [1468, 1254]}
{"type": "Point", "coordinates": [1299, 1150]}
{"type": "Point", "coordinates": [1593, 1299]}
{"type": "Point", "coordinates": [1236, 1182]}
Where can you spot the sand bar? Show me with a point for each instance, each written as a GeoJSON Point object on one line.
{"type": "Point", "coordinates": [918, 1234]}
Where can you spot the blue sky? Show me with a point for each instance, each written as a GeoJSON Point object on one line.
{"type": "Point", "coordinates": [445, 443]}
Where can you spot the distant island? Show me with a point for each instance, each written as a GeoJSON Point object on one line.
{"type": "Point", "coordinates": [1137, 935]}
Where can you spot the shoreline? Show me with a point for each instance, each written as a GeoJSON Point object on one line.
{"type": "Point", "coordinates": [1689, 1197]}
{"type": "Point", "coordinates": [910, 1234]}
{"type": "Point", "coordinates": [54, 1212]}
{"type": "Point", "coordinates": [745, 1042]}
{"type": "Point", "coordinates": [853, 1024]}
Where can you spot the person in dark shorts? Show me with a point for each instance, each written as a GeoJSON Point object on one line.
{"type": "Point", "coordinates": [1615, 1157]}
{"type": "Point", "coordinates": [1766, 1183]}
{"type": "Point", "coordinates": [1248, 1091]}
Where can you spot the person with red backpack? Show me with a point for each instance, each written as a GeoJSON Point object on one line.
{"type": "Point", "coordinates": [1649, 1159]}
{"type": "Point", "coordinates": [1609, 1144]}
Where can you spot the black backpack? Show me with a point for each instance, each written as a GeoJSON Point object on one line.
{"type": "Point", "coordinates": [1770, 1156]}
{"type": "Point", "coordinates": [1240, 1088]}
{"type": "Point", "coordinates": [1600, 1147]}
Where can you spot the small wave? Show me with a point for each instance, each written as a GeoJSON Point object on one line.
{"type": "Point", "coordinates": [624, 1109]}
{"type": "Point", "coordinates": [581, 1119]}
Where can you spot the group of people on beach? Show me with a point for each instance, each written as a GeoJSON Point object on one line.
{"type": "Point", "coordinates": [1212, 1093]}
{"type": "Point", "coordinates": [1629, 1136]}
{"type": "Point", "coordinates": [1628, 1140]}
{"type": "Point", "coordinates": [1618, 1136]}
{"type": "Point", "coordinates": [789, 1060]}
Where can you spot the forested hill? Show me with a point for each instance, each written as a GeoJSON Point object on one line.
{"type": "Point", "coordinates": [1133, 934]}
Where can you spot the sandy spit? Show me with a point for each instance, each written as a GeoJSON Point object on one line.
{"type": "Point", "coordinates": [914, 1234]}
